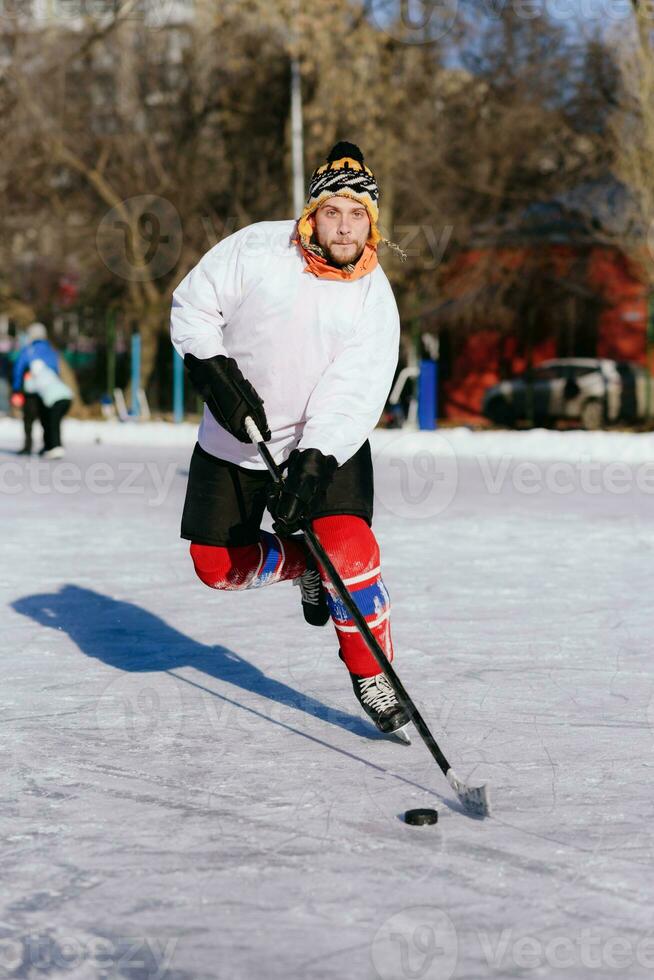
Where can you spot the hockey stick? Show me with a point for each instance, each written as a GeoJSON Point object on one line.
{"type": "Point", "coordinates": [475, 799]}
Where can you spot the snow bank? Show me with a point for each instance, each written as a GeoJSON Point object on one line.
{"type": "Point", "coordinates": [76, 432]}
{"type": "Point", "coordinates": [535, 444]}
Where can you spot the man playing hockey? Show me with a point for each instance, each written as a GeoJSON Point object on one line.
{"type": "Point", "coordinates": [295, 324]}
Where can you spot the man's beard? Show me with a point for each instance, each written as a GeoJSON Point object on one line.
{"type": "Point", "coordinates": [338, 260]}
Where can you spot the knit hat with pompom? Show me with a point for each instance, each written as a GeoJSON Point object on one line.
{"type": "Point", "coordinates": [344, 175]}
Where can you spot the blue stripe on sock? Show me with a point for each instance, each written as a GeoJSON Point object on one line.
{"type": "Point", "coordinates": [272, 555]}
{"type": "Point", "coordinates": [372, 600]}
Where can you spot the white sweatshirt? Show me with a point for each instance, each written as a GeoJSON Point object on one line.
{"type": "Point", "coordinates": [321, 353]}
{"type": "Point", "coordinates": [41, 380]}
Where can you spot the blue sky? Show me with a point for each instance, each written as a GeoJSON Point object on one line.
{"type": "Point", "coordinates": [582, 16]}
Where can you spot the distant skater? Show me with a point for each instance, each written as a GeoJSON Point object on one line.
{"type": "Point", "coordinates": [45, 396]}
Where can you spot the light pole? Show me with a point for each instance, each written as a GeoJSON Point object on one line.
{"type": "Point", "coordinates": [297, 135]}
{"type": "Point", "coordinates": [297, 139]}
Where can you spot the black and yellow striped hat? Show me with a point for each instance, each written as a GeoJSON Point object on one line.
{"type": "Point", "coordinates": [344, 175]}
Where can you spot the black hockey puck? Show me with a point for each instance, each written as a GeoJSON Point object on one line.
{"type": "Point", "coordinates": [421, 818]}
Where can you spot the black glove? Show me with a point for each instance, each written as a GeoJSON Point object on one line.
{"type": "Point", "coordinates": [309, 473]}
{"type": "Point", "coordinates": [229, 396]}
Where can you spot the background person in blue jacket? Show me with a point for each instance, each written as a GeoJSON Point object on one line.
{"type": "Point", "coordinates": [56, 398]}
{"type": "Point", "coordinates": [37, 347]}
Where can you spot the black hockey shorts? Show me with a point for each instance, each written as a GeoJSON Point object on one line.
{"type": "Point", "coordinates": [225, 503]}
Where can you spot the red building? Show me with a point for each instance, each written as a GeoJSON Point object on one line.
{"type": "Point", "coordinates": [547, 284]}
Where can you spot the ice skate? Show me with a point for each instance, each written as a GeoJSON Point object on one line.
{"type": "Point", "coordinates": [378, 700]}
{"type": "Point", "coordinates": [314, 598]}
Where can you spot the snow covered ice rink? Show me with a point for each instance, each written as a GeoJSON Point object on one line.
{"type": "Point", "coordinates": [190, 789]}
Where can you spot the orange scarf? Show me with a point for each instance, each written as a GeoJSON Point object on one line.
{"type": "Point", "coordinates": [321, 268]}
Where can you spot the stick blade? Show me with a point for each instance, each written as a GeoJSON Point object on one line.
{"type": "Point", "coordinates": [475, 799]}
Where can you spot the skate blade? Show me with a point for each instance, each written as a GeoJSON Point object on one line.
{"type": "Point", "coordinates": [401, 734]}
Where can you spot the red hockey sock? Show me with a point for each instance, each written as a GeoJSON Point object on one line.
{"type": "Point", "coordinates": [353, 549]}
{"type": "Point", "coordinates": [272, 559]}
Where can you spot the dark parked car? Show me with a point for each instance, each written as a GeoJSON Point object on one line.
{"type": "Point", "coordinates": [592, 391]}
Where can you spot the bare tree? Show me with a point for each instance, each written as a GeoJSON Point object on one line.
{"type": "Point", "coordinates": [143, 146]}
{"type": "Point", "coordinates": [129, 150]}
{"type": "Point", "coordinates": [505, 131]}
{"type": "Point", "coordinates": [632, 131]}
